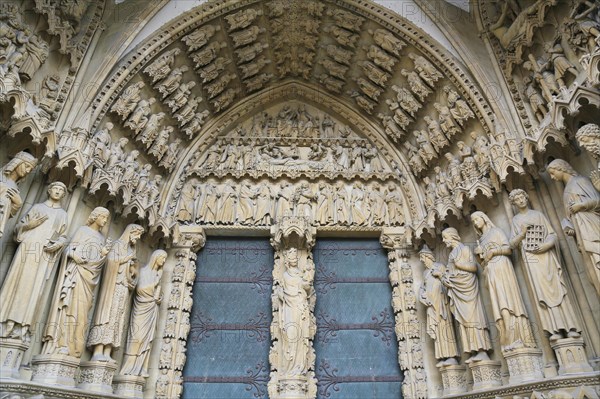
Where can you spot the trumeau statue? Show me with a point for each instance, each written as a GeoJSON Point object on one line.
{"type": "Point", "coordinates": [439, 319]}
{"type": "Point", "coordinates": [118, 279]}
{"type": "Point", "coordinates": [41, 236]}
{"type": "Point", "coordinates": [78, 277]}
{"type": "Point", "coordinates": [582, 206]}
{"type": "Point", "coordinates": [533, 233]}
{"type": "Point", "coordinates": [507, 305]}
{"type": "Point", "coordinates": [13, 172]}
{"type": "Point", "coordinates": [465, 298]}
{"type": "Point", "coordinates": [144, 316]}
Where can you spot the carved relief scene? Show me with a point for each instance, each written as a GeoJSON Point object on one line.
{"type": "Point", "coordinates": [294, 199]}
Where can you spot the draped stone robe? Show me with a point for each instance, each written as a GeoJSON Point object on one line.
{"type": "Point", "coordinates": [32, 265]}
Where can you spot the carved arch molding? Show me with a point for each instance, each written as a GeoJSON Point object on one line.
{"type": "Point", "coordinates": [186, 88]}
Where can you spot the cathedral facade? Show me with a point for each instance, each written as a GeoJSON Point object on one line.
{"type": "Point", "coordinates": [293, 199]}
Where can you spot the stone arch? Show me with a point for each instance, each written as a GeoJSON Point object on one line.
{"type": "Point", "coordinates": [175, 37]}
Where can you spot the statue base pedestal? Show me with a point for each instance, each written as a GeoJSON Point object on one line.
{"type": "Point", "coordinates": [453, 379]}
{"type": "Point", "coordinates": [291, 387]}
{"type": "Point", "coordinates": [571, 356]}
{"type": "Point", "coordinates": [55, 369]}
{"type": "Point", "coordinates": [524, 364]}
{"type": "Point", "coordinates": [97, 376]}
{"type": "Point", "coordinates": [129, 386]}
{"type": "Point", "coordinates": [486, 374]}
{"type": "Point", "coordinates": [11, 355]}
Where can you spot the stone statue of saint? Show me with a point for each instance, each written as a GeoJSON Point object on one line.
{"type": "Point", "coordinates": [294, 316]}
{"type": "Point", "coordinates": [588, 137]}
{"type": "Point", "coordinates": [41, 236]}
{"type": "Point", "coordinates": [507, 305]}
{"type": "Point", "coordinates": [117, 280]}
{"type": "Point", "coordinates": [78, 277]}
{"type": "Point", "coordinates": [533, 233]}
{"type": "Point", "coordinates": [582, 206]}
{"type": "Point", "coordinates": [10, 200]}
{"type": "Point", "coordinates": [465, 301]}
{"type": "Point", "coordinates": [144, 316]}
{"type": "Point", "coordinates": [439, 320]}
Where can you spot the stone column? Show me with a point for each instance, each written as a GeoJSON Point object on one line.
{"type": "Point", "coordinates": [187, 241]}
{"type": "Point", "coordinates": [398, 242]}
{"type": "Point", "coordinates": [292, 356]}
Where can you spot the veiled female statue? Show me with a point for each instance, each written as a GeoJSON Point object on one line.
{"type": "Point", "coordinates": [533, 233]}
{"type": "Point", "coordinates": [144, 316]}
{"type": "Point", "coordinates": [78, 277]}
{"type": "Point", "coordinates": [10, 199]}
{"type": "Point", "coordinates": [439, 320]}
{"type": "Point", "coordinates": [465, 301]}
{"type": "Point", "coordinates": [294, 316]}
{"type": "Point", "coordinates": [582, 206]}
{"type": "Point", "coordinates": [117, 280]}
{"type": "Point", "coordinates": [41, 236]}
{"type": "Point", "coordinates": [507, 305]}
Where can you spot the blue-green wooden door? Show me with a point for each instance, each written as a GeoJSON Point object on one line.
{"type": "Point", "coordinates": [356, 346]}
{"type": "Point", "coordinates": [228, 345]}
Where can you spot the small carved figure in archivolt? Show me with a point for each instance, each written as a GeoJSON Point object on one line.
{"type": "Point", "coordinates": [339, 54]}
{"type": "Point", "coordinates": [160, 68]}
{"type": "Point", "coordinates": [200, 36]}
{"type": "Point", "coordinates": [387, 41]}
{"type": "Point", "coordinates": [380, 57]}
{"type": "Point", "coordinates": [187, 112]}
{"type": "Point", "coordinates": [208, 54]}
{"type": "Point", "coordinates": [416, 84]}
{"type": "Point", "coordinates": [458, 107]}
{"type": "Point", "coordinates": [211, 72]}
{"type": "Point", "coordinates": [128, 100]}
{"type": "Point", "coordinates": [425, 69]}
{"type": "Point", "coordinates": [342, 36]}
{"type": "Point", "coordinates": [242, 19]}
{"type": "Point", "coordinates": [139, 117]}
{"type": "Point", "coordinates": [246, 36]}
{"type": "Point", "coordinates": [169, 84]}
{"type": "Point", "coordinates": [248, 53]}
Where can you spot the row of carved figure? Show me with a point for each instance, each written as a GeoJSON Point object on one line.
{"type": "Point", "coordinates": [544, 76]}
{"type": "Point", "coordinates": [260, 204]}
{"type": "Point", "coordinates": [295, 122]}
{"type": "Point", "coordinates": [21, 52]}
{"type": "Point", "coordinates": [263, 154]}
{"type": "Point", "coordinates": [85, 261]}
{"type": "Point", "coordinates": [121, 171]}
{"type": "Point", "coordinates": [453, 290]}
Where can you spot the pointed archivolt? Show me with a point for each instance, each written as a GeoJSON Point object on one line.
{"type": "Point", "coordinates": [212, 60]}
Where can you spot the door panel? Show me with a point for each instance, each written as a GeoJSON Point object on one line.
{"type": "Point", "coordinates": [356, 344]}
{"type": "Point", "coordinates": [228, 345]}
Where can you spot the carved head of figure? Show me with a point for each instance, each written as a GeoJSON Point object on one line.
{"type": "Point", "coordinates": [132, 233]}
{"type": "Point", "coordinates": [560, 170]}
{"type": "Point", "coordinates": [157, 259]}
{"type": "Point", "coordinates": [426, 256]}
{"type": "Point", "coordinates": [518, 198]}
{"type": "Point", "coordinates": [123, 142]}
{"type": "Point", "coordinates": [291, 257]}
{"type": "Point", "coordinates": [480, 221]}
{"type": "Point", "coordinates": [20, 166]}
{"type": "Point", "coordinates": [99, 216]}
{"type": "Point", "coordinates": [588, 137]}
{"type": "Point", "coordinates": [56, 191]}
{"type": "Point", "coordinates": [450, 237]}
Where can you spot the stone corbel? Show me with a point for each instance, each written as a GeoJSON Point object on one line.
{"type": "Point", "coordinates": [398, 241]}
{"type": "Point", "coordinates": [187, 240]}
{"type": "Point", "coordinates": [294, 329]}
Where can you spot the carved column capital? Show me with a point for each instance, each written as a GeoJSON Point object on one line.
{"type": "Point", "coordinates": [396, 238]}
{"type": "Point", "coordinates": [293, 231]}
{"type": "Point", "coordinates": [189, 236]}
